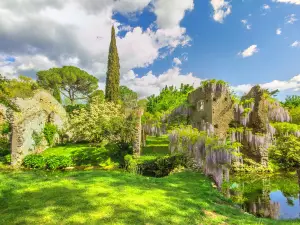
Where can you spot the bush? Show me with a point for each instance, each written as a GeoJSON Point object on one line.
{"type": "Point", "coordinates": [51, 162]}
{"type": "Point", "coordinates": [34, 161]}
{"type": "Point", "coordinates": [49, 131]}
{"type": "Point", "coordinates": [5, 159]}
{"type": "Point", "coordinates": [4, 146]}
{"type": "Point", "coordinates": [159, 167]}
{"type": "Point", "coordinates": [58, 162]}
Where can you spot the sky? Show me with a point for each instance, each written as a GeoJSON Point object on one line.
{"type": "Point", "coordinates": [160, 42]}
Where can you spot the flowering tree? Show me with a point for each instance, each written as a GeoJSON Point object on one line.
{"type": "Point", "coordinates": [101, 121]}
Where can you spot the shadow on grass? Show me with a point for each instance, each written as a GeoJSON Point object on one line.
{"type": "Point", "coordinates": [100, 197]}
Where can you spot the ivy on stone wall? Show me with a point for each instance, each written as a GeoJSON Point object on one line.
{"type": "Point", "coordinates": [49, 132]}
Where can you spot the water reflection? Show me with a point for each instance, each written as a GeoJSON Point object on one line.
{"type": "Point", "coordinates": [274, 197]}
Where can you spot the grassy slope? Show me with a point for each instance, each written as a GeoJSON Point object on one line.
{"type": "Point", "coordinates": [112, 197]}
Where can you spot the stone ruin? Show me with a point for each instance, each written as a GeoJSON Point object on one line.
{"type": "Point", "coordinates": [31, 118]}
{"type": "Point", "coordinates": [212, 109]}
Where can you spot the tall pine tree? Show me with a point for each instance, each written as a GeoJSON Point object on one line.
{"type": "Point", "coordinates": [113, 71]}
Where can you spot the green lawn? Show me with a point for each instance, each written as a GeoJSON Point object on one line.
{"type": "Point", "coordinates": [114, 197]}
{"type": "Point", "coordinates": [111, 197]}
{"type": "Point", "coordinates": [92, 155]}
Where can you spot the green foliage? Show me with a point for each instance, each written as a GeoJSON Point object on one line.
{"type": "Point", "coordinates": [206, 83]}
{"type": "Point", "coordinates": [168, 99]}
{"type": "Point", "coordinates": [235, 130]}
{"type": "Point", "coordinates": [37, 138]}
{"type": "Point", "coordinates": [112, 92]}
{"type": "Point", "coordinates": [128, 97]}
{"type": "Point", "coordinates": [97, 95]}
{"type": "Point", "coordinates": [34, 161]}
{"type": "Point", "coordinates": [158, 167]}
{"type": "Point", "coordinates": [292, 101]}
{"type": "Point", "coordinates": [58, 162]}
{"type": "Point", "coordinates": [49, 133]}
{"type": "Point", "coordinates": [56, 94]}
{"type": "Point", "coordinates": [286, 152]}
{"type": "Point", "coordinates": [51, 162]}
{"type": "Point", "coordinates": [295, 114]}
{"type": "Point", "coordinates": [102, 121]}
{"type": "Point", "coordinates": [246, 102]}
{"type": "Point", "coordinates": [71, 108]}
{"type": "Point", "coordinates": [284, 128]}
{"type": "Point", "coordinates": [22, 87]}
{"type": "Point", "coordinates": [72, 82]}
{"type": "Point", "coordinates": [4, 146]}
{"type": "Point", "coordinates": [5, 159]}
{"type": "Point", "coordinates": [5, 128]}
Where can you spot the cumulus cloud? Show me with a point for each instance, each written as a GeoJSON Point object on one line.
{"type": "Point", "coordinates": [249, 51]}
{"type": "Point", "coordinates": [152, 84]}
{"type": "Point", "coordinates": [278, 31]}
{"type": "Point", "coordinates": [295, 44]}
{"type": "Point", "coordinates": [170, 13]}
{"type": "Point", "coordinates": [54, 34]}
{"type": "Point", "coordinates": [296, 2]}
{"type": "Point", "coordinates": [221, 9]}
{"type": "Point", "coordinates": [292, 84]}
{"type": "Point", "coordinates": [246, 24]}
{"type": "Point", "coordinates": [291, 19]}
{"type": "Point", "coordinates": [177, 61]}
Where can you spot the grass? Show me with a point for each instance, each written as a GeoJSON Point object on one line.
{"type": "Point", "coordinates": [111, 197]}
{"type": "Point", "coordinates": [115, 197]}
{"type": "Point", "coordinates": [155, 147]}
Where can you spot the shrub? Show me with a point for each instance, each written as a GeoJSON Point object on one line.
{"type": "Point", "coordinates": [58, 162]}
{"type": "Point", "coordinates": [159, 167]}
{"type": "Point", "coordinates": [4, 146]}
{"type": "Point", "coordinates": [5, 159]}
{"type": "Point", "coordinates": [5, 128]}
{"type": "Point", "coordinates": [34, 161]}
{"type": "Point", "coordinates": [49, 131]}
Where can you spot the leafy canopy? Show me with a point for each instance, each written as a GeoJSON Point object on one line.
{"type": "Point", "coordinates": [128, 97]}
{"type": "Point", "coordinates": [168, 99]}
{"type": "Point", "coordinates": [70, 81]}
{"type": "Point", "coordinates": [286, 153]}
{"type": "Point", "coordinates": [292, 101]}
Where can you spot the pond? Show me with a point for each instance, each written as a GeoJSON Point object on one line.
{"type": "Point", "coordinates": [271, 196]}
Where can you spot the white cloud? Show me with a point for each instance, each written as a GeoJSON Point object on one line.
{"type": "Point", "coordinates": [292, 84]}
{"type": "Point", "coordinates": [170, 13]}
{"type": "Point", "coordinates": [177, 61]}
{"type": "Point", "coordinates": [265, 9]}
{"type": "Point", "coordinates": [221, 9]}
{"type": "Point", "coordinates": [152, 84]}
{"type": "Point", "coordinates": [57, 37]}
{"type": "Point", "coordinates": [278, 31]}
{"type": "Point", "coordinates": [249, 51]}
{"type": "Point", "coordinates": [265, 6]}
{"type": "Point", "coordinates": [246, 24]}
{"type": "Point", "coordinates": [291, 19]}
{"type": "Point", "coordinates": [295, 44]}
{"type": "Point", "coordinates": [296, 2]}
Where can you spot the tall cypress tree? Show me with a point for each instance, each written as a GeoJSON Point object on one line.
{"type": "Point", "coordinates": [113, 71]}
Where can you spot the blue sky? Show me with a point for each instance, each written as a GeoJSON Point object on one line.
{"type": "Point", "coordinates": [160, 42]}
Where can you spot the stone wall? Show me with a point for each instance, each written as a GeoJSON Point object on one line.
{"type": "Point", "coordinates": [217, 109]}
{"type": "Point", "coordinates": [34, 113]}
